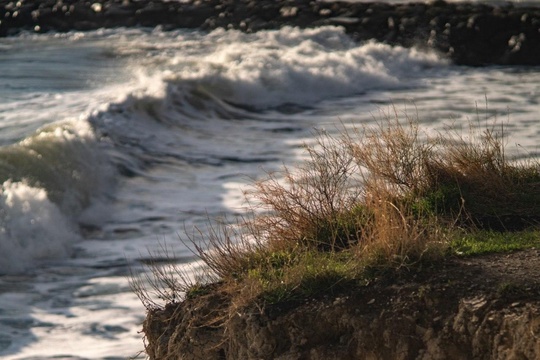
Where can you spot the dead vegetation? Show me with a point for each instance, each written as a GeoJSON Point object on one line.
{"type": "Point", "coordinates": [371, 199]}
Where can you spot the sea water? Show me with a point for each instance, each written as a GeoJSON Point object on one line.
{"type": "Point", "coordinates": [115, 143]}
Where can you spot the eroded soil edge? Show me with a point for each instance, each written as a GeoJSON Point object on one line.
{"type": "Point", "coordinates": [483, 308]}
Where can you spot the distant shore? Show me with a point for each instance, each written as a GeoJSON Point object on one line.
{"type": "Point", "coordinates": [467, 33]}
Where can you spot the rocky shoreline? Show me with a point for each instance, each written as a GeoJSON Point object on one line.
{"type": "Point", "coordinates": [468, 34]}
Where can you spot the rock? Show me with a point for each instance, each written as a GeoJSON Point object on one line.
{"type": "Point", "coordinates": [288, 11]}
{"type": "Point", "coordinates": [468, 33]}
{"type": "Point", "coordinates": [325, 12]}
{"type": "Point", "coordinates": [96, 7]}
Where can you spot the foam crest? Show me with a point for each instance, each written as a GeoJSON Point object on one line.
{"type": "Point", "coordinates": [63, 159]}
{"type": "Point", "coordinates": [48, 179]}
{"type": "Point", "coordinates": [298, 66]}
{"type": "Point", "coordinates": [189, 82]}
{"type": "Point", "coordinates": [32, 228]}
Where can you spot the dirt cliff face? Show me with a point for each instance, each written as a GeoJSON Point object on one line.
{"type": "Point", "coordinates": [481, 308]}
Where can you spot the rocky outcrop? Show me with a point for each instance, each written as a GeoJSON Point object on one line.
{"type": "Point", "coordinates": [470, 34]}
{"type": "Point", "coordinates": [486, 308]}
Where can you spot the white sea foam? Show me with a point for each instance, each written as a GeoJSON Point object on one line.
{"type": "Point", "coordinates": [265, 69]}
{"type": "Point", "coordinates": [52, 176]}
{"type": "Point", "coordinates": [194, 83]}
{"type": "Point", "coordinates": [298, 66]}
{"type": "Point", "coordinates": [32, 228]}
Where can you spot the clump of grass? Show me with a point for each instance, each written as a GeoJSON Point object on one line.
{"type": "Point", "coordinates": [468, 179]}
{"type": "Point", "coordinates": [373, 198]}
{"type": "Point", "coordinates": [310, 273]}
{"type": "Point", "coordinates": [494, 192]}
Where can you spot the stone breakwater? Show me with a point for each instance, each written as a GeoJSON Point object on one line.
{"type": "Point", "coordinates": [469, 34]}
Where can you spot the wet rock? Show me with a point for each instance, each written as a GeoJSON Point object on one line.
{"type": "Point", "coordinates": [288, 11]}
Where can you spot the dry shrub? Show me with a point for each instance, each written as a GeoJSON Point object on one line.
{"type": "Point", "coordinates": [397, 237]}
{"type": "Point", "coordinates": [393, 152]}
{"type": "Point", "coordinates": [228, 249]}
{"type": "Point", "coordinates": [383, 196]}
{"type": "Point", "coordinates": [347, 197]}
{"type": "Point", "coordinates": [495, 192]}
{"type": "Point", "coordinates": [468, 179]}
{"type": "Point", "coordinates": [309, 206]}
{"type": "Point", "coordinates": [168, 281]}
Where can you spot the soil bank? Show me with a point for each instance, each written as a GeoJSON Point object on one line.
{"type": "Point", "coordinates": [478, 308]}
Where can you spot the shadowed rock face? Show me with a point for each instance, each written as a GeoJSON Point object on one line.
{"type": "Point", "coordinates": [469, 34]}
{"type": "Point", "coordinates": [484, 308]}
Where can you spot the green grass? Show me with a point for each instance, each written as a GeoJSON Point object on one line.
{"type": "Point", "coordinates": [485, 242]}
{"type": "Point", "coordinates": [293, 276]}
{"type": "Point", "coordinates": [310, 274]}
{"type": "Point", "coordinates": [299, 275]}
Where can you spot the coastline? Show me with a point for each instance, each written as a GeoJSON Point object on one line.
{"type": "Point", "coordinates": [428, 306]}
{"type": "Point", "coordinates": [467, 33]}
{"type": "Point", "coordinates": [426, 259]}
{"type": "Point", "coordinates": [483, 308]}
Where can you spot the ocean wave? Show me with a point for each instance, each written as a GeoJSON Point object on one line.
{"type": "Point", "coordinates": [298, 66]}
{"type": "Point", "coordinates": [48, 180]}
{"type": "Point", "coordinates": [61, 158]}
{"type": "Point", "coordinates": [32, 228]}
{"type": "Point", "coordinates": [189, 83]}
{"type": "Point", "coordinates": [270, 68]}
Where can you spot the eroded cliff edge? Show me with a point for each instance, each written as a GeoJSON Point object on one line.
{"type": "Point", "coordinates": [483, 308]}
